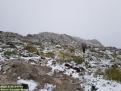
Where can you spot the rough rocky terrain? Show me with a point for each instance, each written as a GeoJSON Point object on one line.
{"type": "Point", "coordinates": [57, 62]}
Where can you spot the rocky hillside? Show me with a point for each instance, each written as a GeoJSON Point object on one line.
{"type": "Point", "coordinates": [61, 39]}
{"type": "Point", "coordinates": [47, 37]}
{"type": "Point", "coordinates": [10, 37]}
{"type": "Point", "coordinates": [57, 62]}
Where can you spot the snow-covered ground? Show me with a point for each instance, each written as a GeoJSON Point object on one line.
{"type": "Point", "coordinates": [48, 87]}
{"type": "Point", "coordinates": [1, 57]}
{"type": "Point", "coordinates": [87, 80]}
{"type": "Point", "coordinates": [31, 84]}
{"type": "Point", "coordinates": [101, 84]}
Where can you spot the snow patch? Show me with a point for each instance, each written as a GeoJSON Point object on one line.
{"type": "Point", "coordinates": [32, 84]}
{"type": "Point", "coordinates": [48, 87]}
{"type": "Point", "coordinates": [101, 84]}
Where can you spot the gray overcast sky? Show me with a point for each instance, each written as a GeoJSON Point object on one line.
{"type": "Point", "coordinates": [89, 19]}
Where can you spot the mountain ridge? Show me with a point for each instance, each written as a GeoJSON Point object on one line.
{"type": "Point", "coordinates": [48, 37]}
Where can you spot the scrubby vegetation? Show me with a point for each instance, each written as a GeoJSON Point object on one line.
{"type": "Point", "coordinates": [50, 54]}
{"type": "Point", "coordinates": [99, 72]}
{"type": "Point", "coordinates": [78, 59]}
{"type": "Point", "coordinates": [31, 49]}
{"type": "Point", "coordinates": [93, 50]}
{"type": "Point", "coordinates": [41, 53]}
{"type": "Point", "coordinates": [113, 73]}
{"type": "Point", "coordinates": [66, 57]}
{"type": "Point", "coordinates": [114, 55]}
{"type": "Point", "coordinates": [72, 50]}
{"type": "Point", "coordinates": [9, 53]}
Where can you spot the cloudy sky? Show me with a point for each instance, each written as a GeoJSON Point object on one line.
{"type": "Point", "coordinates": [89, 19]}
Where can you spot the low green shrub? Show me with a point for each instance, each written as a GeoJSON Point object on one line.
{"type": "Point", "coordinates": [72, 50]}
{"type": "Point", "coordinates": [99, 72]}
{"type": "Point", "coordinates": [31, 49]}
{"type": "Point", "coordinates": [78, 59]}
{"type": "Point", "coordinates": [9, 53]}
{"type": "Point", "coordinates": [114, 55]}
{"type": "Point", "coordinates": [50, 54]}
{"type": "Point", "coordinates": [113, 73]}
{"type": "Point", "coordinates": [65, 56]}
{"type": "Point", "coordinates": [93, 50]}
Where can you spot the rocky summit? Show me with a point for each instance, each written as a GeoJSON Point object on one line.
{"type": "Point", "coordinates": [58, 62]}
